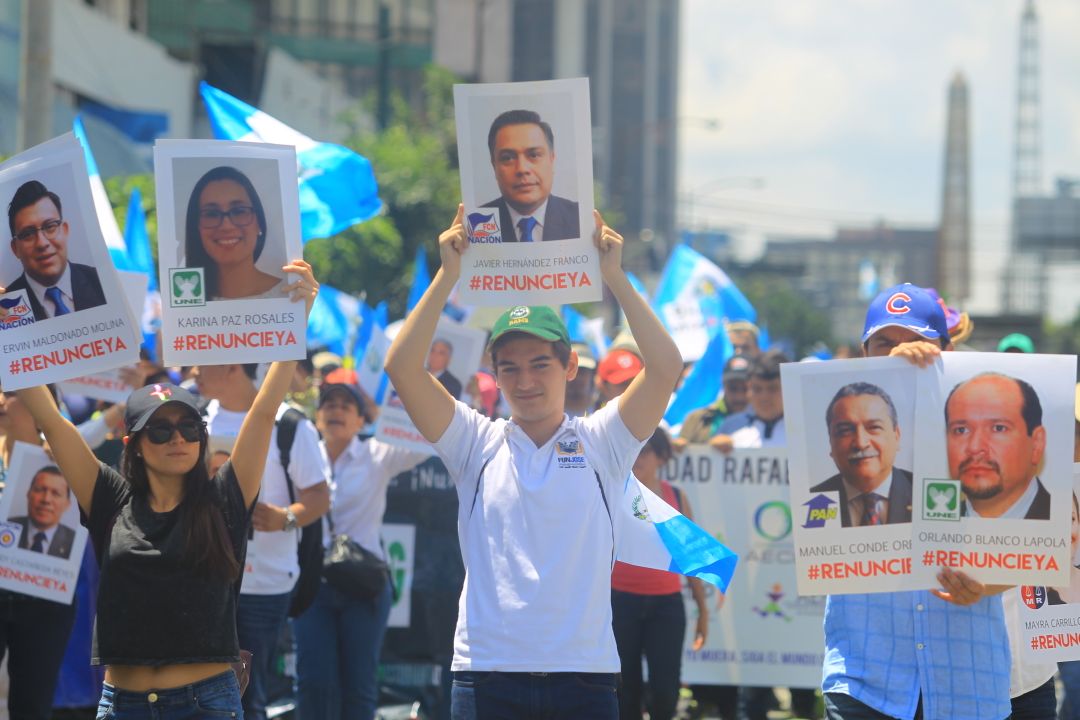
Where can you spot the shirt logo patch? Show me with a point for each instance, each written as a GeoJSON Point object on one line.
{"type": "Point", "coordinates": [568, 454]}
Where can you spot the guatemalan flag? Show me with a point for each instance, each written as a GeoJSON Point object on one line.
{"type": "Point", "coordinates": [337, 186]}
{"type": "Point", "coordinates": [114, 239]}
{"type": "Point", "coordinates": [652, 534]}
{"type": "Point", "coordinates": [695, 298]}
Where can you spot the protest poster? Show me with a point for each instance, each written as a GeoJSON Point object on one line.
{"type": "Point", "coordinates": [41, 538]}
{"type": "Point", "coordinates": [525, 153]}
{"type": "Point", "coordinates": [761, 633]}
{"type": "Point", "coordinates": [111, 385]}
{"type": "Point", "coordinates": [453, 358]}
{"type": "Point", "coordinates": [994, 468]}
{"type": "Point", "coordinates": [400, 543]}
{"type": "Point", "coordinates": [228, 220]}
{"type": "Point", "coordinates": [62, 312]}
{"type": "Point", "coordinates": [1050, 616]}
{"type": "Point", "coordinates": [851, 442]}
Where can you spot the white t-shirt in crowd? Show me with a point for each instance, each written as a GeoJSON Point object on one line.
{"type": "Point", "coordinates": [1024, 675]}
{"type": "Point", "coordinates": [537, 541]}
{"type": "Point", "coordinates": [360, 476]}
{"type": "Point", "coordinates": [272, 567]}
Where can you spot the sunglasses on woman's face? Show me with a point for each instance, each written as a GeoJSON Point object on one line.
{"type": "Point", "coordinates": [160, 433]}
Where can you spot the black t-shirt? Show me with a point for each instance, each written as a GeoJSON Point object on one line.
{"type": "Point", "coordinates": [153, 607]}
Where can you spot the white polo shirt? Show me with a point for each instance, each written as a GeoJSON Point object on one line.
{"type": "Point", "coordinates": [360, 476]}
{"type": "Point", "coordinates": [272, 567]}
{"type": "Point", "coordinates": [536, 540]}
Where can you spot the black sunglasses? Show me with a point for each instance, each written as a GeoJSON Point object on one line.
{"type": "Point", "coordinates": [160, 433]}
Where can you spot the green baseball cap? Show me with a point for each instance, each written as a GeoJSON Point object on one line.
{"type": "Point", "coordinates": [537, 320]}
{"type": "Point", "coordinates": [1016, 342]}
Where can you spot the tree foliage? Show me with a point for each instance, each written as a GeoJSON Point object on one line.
{"type": "Point", "coordinates": [786, 314]}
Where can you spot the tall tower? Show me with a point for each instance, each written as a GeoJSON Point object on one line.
{"type": "Point", "coordinates": [954, 241]}
{"type": "Point", "coordinates": [1027, 158]}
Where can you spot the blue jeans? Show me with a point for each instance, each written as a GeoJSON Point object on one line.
{"type": "Point", "coordinates": [338, 642]}
{"type": "Point", "coordinates": [259, 621]}
{"type": "Point", "coordinates": [1070, 680]}
{"type": "Point", "coordinates": [533, 696]}
{"type": "Point", "coordinates": [214, 697]}
{"type": "Point", "coordinates": [653, 626]}
{"type": "Point", "coordinates": [33, 634]}
{"type": "Point", "coordinates": [839, 706]}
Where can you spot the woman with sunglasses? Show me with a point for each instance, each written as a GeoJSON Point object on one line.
{"type": "Point", "coordinates": [225, 232]}
{"type": "Point", "coordinates": [171, 541]}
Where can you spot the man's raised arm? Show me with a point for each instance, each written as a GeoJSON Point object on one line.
{"type": "Point", "coordinates": [429, 405]}
{"type": "Point", "coordinates": [642, 406]}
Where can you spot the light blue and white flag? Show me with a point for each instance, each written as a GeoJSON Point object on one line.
{"type": "Point", "coordinates": [586, 330]}
{"type": "Point", "coordinates": [331, 319]}
{"type": "Point", "coordinates": [652, 534]}
{"type": "Point", "coordinates": [103, 208]}
{"type": "Point", "coordinates": [868, 280]}
{"type": "Point", "coordinates": [421, 278]}
{"type": "Point", "coordinates": [695, 298]}
{"type": "Point", "coordinates": [139, 259]}
{"type": "Point", "coordinates": [369, 351]}
{"type": "Point", "coordinates": [702, 386]}
{"type": "Point", "coordinates": [337, 186]}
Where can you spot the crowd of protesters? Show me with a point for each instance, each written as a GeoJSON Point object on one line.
{"type": "Point", "coordinates": [195, 507]}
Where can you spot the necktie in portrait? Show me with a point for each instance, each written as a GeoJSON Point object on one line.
{"type": "Point", "coordinates": [872, 507]}
{"type": "Point", "coordinates": [39, 542]}
{"type": "Point", "coordinates": [526, 225]}
{"type": "Point", "coordinates": [54, 296]}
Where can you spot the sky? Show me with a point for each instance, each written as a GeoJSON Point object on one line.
{"type": "Point", "coordinates": [833, 112]}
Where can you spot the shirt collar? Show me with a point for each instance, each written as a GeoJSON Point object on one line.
{"type": "Point", "coordinates": [64, 283]}
{"type": "Point", "coordinates": [881, 490]}
{"type": "Point", "coordinates": [1019, 509]}
{"type": "Point", "coordinates": [537, 215]}
{"type": "Point", "coordinates": [514, 432]}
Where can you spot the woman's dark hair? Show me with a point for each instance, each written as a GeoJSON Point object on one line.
{"type": "Point", "coordinates": [208, 547]}
{"type": "Point", "coordinates": [194, 253]}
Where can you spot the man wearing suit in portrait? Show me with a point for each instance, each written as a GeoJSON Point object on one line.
{"type": "Point", "coordinates": [522, 149]}
{"type": "Point", "coordinates": [995, 441]}
{"type": "Point", "coordinates": [438, 364]}
{"type": "Point", "coordinates": [46, 502]}
{"type": "Point", "coordinates": [864, 435]}
{"type": "Point", "coordinates": [39, 239]}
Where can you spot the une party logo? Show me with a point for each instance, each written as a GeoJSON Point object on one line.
{"type": "Point", "coordinates": [484, 227]}
{"type": "Point", "coordinates": [941, 500]}
{"type": "Point", "coordinates": [186, 287]}
{"type": "Point", "coordinates": [18, 311]}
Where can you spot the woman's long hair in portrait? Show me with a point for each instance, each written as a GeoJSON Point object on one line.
{"type": "Point", "coordinates": [194, 253]}
{"type": "Point", "coordinates": [207, 539]}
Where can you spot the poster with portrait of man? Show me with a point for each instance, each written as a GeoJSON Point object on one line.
{"type": "Point", "coordinates": [851, 442]}
{"type": "Point", "coordinates": [993, 473]}
{"type": "Point", "coordinates": [453, 359]}
{"type": "Point", "coordinates": [62, 311]}
{"type": "Point", "coordinates": [525, 154]}
{"type": "Point", "coordinates": [228, 220]}
{"type": "Point", "coordinates": [41, 538]}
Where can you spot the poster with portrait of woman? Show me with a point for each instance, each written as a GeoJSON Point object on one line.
{"type": "Point", "coordinates": [228, 220]}
{"type": "Point", "coordinates": [525, 152]}
{"type": "Point", "coordinates": [41, 538]}
{"type": "Point", "coordinates": [62, 310]}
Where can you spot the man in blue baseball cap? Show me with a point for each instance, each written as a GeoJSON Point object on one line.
{"type": "Point", "coordinates": [932, 654]}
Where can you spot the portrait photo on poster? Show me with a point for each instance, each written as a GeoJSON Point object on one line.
{"type": "Point", "coordinates": [45, 510]}
{"type": "Point", "coordinates": [49, 257]}
{"type": "Point", "coordinates": [229, 223]}
{"type": "Point", "coordinates": [62, 312]}
{"type": "Point", "coordinates": [859, 430]}
{"type": "Point", "coordinates": [525, 166]}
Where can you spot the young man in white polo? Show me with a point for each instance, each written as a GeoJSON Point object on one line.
{"type": "Point", "coordinates": [535, 498]}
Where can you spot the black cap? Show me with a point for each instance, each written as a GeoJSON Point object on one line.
{"type": "Point", "coordinates": [145, 401]}
{"type": "Point", "coordinates": [736, 368]}
{"type": "Point", "coordinates": [354, 393]}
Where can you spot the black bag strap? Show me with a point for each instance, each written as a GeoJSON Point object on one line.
{"type": "Point", "coordinates": [611, 520]}
{"type": "Point", "coordinates": [286, 433]}
{"type": "Point", "coordinates": [476, 492]}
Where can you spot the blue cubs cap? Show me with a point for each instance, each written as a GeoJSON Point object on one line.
{"type": "Point", "coordinates": [907, 306]}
